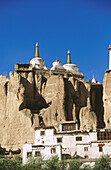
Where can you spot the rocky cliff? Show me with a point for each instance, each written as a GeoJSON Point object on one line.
{"type": "Point", "coordinates": [107, 99]}
{"type": "Point", "coordinates": [34, 98]}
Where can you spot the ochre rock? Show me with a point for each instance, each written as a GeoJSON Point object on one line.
{"type": "Point", "coordinates": [107, 99]}
{"type": "Point", "coordinates": [88, 119]}
{"type": "Point", "coordinates": [32, 97]}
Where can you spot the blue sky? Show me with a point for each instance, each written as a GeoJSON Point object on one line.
{"type": "Point", "coordinates": [81, 26]}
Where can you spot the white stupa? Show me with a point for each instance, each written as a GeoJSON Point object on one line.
{"type": "Point", "coordinates": [37, 62]}
{"type": "Point", "coordinates": [93, 80]}
{"type": "Point", "coordinates": [57, 65]}
{"type": "Point", "coordinates": [72, 68]}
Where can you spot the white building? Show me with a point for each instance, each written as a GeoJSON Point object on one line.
{"type": "Point", "coordinates": [69, 142]}
{"type": "Point", "coordinates": [46, 151]}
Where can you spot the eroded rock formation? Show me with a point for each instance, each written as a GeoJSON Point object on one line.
{"type": "Point", "coordinates": [88, 119]}
{"type": "Point", "coordinates": [107, 99]}
{"type": "Point", "coordinates": [31, 97]}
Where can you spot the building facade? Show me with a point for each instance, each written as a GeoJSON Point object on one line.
{"type": "Point", "coordinates": [68, 142]}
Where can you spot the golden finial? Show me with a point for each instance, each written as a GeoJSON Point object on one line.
{"type": "Point", "coordinates": [37, 50]}
{"type": "Point", "coordinates": [68, 57]}
{"type": "Point", "coordinates": [109, 49]}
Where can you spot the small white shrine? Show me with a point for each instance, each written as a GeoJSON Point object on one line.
{"type": "Point", "coordinates": [70, 67]}
{"type": "Point", "coordinates": [57, 65]}
{"type": "Point", "coordinates": [38, 62]}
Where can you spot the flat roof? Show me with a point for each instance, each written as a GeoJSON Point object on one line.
{"type": "Point", "coordinates": [45, 127]}
{"type": "Point", "coordinates": [66, 122]}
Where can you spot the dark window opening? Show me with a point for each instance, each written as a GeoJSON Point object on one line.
{"type": "Point", "coordinates": [42, 133]}
{"type": "Point", "coordinates": [37, 153]}
{"type": "Point", "coordinates": [100, 149]}
{"type": "Point", "coordinates": [29, 154]}
{"type": "Point", "coordinates": [85, 148]}
{"type": "Point", "coordinates": [79, 138]}
{"type": "Point", "coordinates": [53, 150]}
{"type": "Point", "coordinates": [59, 140]}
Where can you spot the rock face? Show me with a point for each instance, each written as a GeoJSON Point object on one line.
{"type": "Point", "coordinates": [88, 119]}
{"type": "Point", "coordinates": [32, 98]}
{"type": "Point", "coordinates": [107, 98]}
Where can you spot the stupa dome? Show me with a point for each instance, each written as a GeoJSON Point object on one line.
{"type": "Point", "coordinates": [38, 62]}
{"type": "Point", "coordinates": [57, 65]}
{"type": "Point", "coordinates": [70, 67]}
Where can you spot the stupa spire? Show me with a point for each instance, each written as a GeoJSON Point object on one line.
{"type": "Point", "coordinates": [93, 80]}
{"type": "Point", "coordinates": [109, 49]}
{"type": "Point", "coordinates": [37, 50]}
{"type": "Point", "coordinates": [68, 57]}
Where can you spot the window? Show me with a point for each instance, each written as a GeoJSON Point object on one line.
{"type": "Point", "coordinates": [68, 127]}
{"type": "Point", "coordinates": [42, 133]}
{"type": "Point", "coordinates": [37, 153]}
{"type": "Point", "coordinates": [100, 149]}
{"type": "Point", "coordinates": [59, 140]}
{"type": "Point", "coordinates": [79, 138]}
{"type": "Point", "coordinates": [104, 135]}
{"type": "Point", "coordinates": [63, 128]}
{"type": "Point", "coordinates": [29, 154]}
{"type": "Point", "coordinates": [71, 128]}
{"type": "Point", "coordinates": [53, 150]}
{"type": "Point", "coordinates": [85, 148]}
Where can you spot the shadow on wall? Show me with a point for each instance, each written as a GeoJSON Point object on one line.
{"type": "Point", "coordinates": [75, 96]}
{"type": "Point", "coordinates": [32, 99]}
{"type": "Point", "coordinates": [97, 104]}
